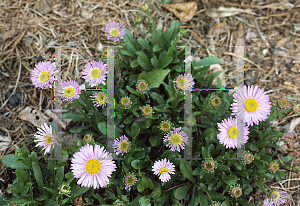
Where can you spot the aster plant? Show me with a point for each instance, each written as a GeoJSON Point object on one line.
{"type": "Point", "coordinates": [160, 164]}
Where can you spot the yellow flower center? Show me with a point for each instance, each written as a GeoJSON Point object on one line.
{"type": "Point", "coordinates": [208, 166]}
{"type": "Point", "coordinates": [216, 102]}
{"type": "Point", "coordinates": [274, 195]}
{"type": "Point", "coordinates": [165, 126]}
{"type": "Point", "coordinates": [233, 132]}
{"type": "Point", "coordinates": [123, 145]}
{"type": "Point", "coordinates": [142, 86]}
{"type": "Point", "coordinates": [130, 180]}
{"type": "Point", "coordinates": [138, 18]}
{"type": "Point", "coordinates": [147, 110]}
{"type": "Point", "coordinates": [101, 98]}
{"type": "Point", "coordinates": [49, 138]}
{"type": "Point", "coordinates": [251, 105]}
{"type": "Point", "coordinates": [176, 139]}
{"type": "Point", "coordinates": [163, 170]}
{"type": "Point", "coordinates": [95, 73]}
{"type": "Point", "coordinates": [114, 32]}
{"type": "Point", "coordinates": [69, 92]}
{"type": "Point", "coordinates": [181, 83]}
{"type": "Point", "coordinates": [92, 166]}
{"type": "Point", "coordinates": [44, 77]}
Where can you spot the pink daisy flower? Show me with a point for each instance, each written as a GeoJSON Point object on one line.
{"type": "Point", "coordinates": [255, 105]}
{"type": "Point", "coordinates": [267, 202]}
{"type": "Point", "coordinates": [129, 181]}
{"type": "Point", "coordinates": [229, 133]}
{"type": "Point", "coordinates": [93, 166]}
{"type": "Point", "coordinates": [43, 74]}
{"type": "Point", "coordinates": [114, 31]}
{"type": "Point", "coordinates": [46, 138]}
{"type": "Point", "coordinates": [99, 99]}
{"type": "Point", "coordinates": [176, 139]}
{"type": "Point", "coordinates": [163, 169]}
{"type": "Point", "coordinates": [69, 90]}
{"type": "Point", "coordinates": [121, 145]}
{"type": "Point", "coordinates": [95, 73]}
{"type": "Point", "coordinates": [184, 82]}
{"type": "Point", "coordinates": [277, 197]}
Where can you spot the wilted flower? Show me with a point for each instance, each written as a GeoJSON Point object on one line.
{"type": "Point", "coordinates": [277, 197]}
{"type": "Point", "coordinates": [65, 189]}
{"type": "Point", "coordinates": [99, 99]}
{"type": "Point", "coordinates": [248, 158]}
{"type": "Point", "coordinates": [273, 166]}
{"type": "Point", "coordinates": [105, 53]}
{"type": "Point", "coordinates": [209, 164]}
{"type": "Point", "coordinates": [121, 145]}
{"type": "Point", "coordinates": [145, 7]}
{"type": "Point", "coordinates": [69, 90]}
{"type": "Point", "coordinates": [93, 166]}
{"type": "Point", "coordinates": [236, 191]}
{"type": "Point", "coordinates": [229, 133]}
{"type": "Point", "coordinates": [176, 139]}
{"type": "Point", "coordinates": [255, 104]}
{"type": "Point", "coordinates": [184, 82]}
{"type": "Point", "coordinates": [287, 137]}
{"type": "Point", "coordinates": [43, 74]}
{"type": "Point", "coordinates": [141, 87]}
{"type": "Point", "coordinates": [129, 181]}
{"type": "Point", "coordinates": [165, 126]}
{"type": "Point", "coordinates": [126, 102]}
{"type": "Point", "coordinates": [46, 138]}
{"type": "Point", "coordinates": [114, 31]}
{"type": "Point", "coordinates": [283, 103]}
{"type": "Point", "coordinates": [138, 19]}
{"type": "Point", "coordinates": [163, 169]}
{"type": "Point", "coordinates": [147, 111]}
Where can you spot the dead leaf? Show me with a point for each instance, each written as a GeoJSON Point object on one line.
{"type": "Point", "coordinates": [33, 116]}
{"type": "Point", "coordinates": [8, 34]}
{"type": "Point", "coordinates": [225, 12]}
{"type": "Point", "coordinates": [214, 68]}
{"type": "Point", "coordinates": [4, 142]}
{"type": "Point", "coordinates": [42, 7]}
{"type": "Point", "coordinates": [216, 29]}
{"type": "Point", "coordinates": [63, 123]}
{"type": "Point", "coordinates": [184, 11]}
{"type": "Point", "coordinates": [250, 35]}
{"type": "Point", "coordinates": [86, 14]}
{"type": "Point", "coordinates": [79, 201]}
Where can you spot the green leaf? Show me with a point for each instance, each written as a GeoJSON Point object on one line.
{"type": "Point", "coordinates": [128, 120]}
{"type": "Point", "coordinates": [186, 170]}
{"type": "Point", "coordinates": [129, 41]}
{"type": "Point", "coordinates": [204, 152]}
{"type": "Point", "coordinates": [154, 37]}
{"type": "Point", "coordinates": [203, 199]}
{"type": "Point", "coordinates": [153, 141]}
{"type": "Point", "coordinates": [158, 97]}
{"type": "Point", "coordinates": [286, 158]}
{"type": "Point", "coordinates": [156, 48]}
{"type": "Point", "coordinates": [144, 43]}
{"type": "Point", "coordinates": [77, 130]}
{"type": "Point", "coordinates": [145, 201]}
{"type": "Point", "coordinates": [247, 188]}
{"type": "Point", "coordinates": [206, 62]}
{"type": "Point", "coordinates": [40, 198]}
{"type": "Point", "coordinates": [156, 193]}
{"type": "Point", "coordinates": [170, 92]}
{"type": "Point", "coordinates": [50, 202]}
{"type": "Point", "coordinates": [75, 117]}
{"type": "Point", "coordinates": [79, 191]}
{"type": "Point", "coordinates": [177, 68]}
{"type": "Point", "coordinates": [166, 38]}
{"type": "Point", "coordinates": [134, 63]}
{"type": "Point", "coordinates": [155, 62]}
{"type": "Point", "coordinates": [165, 62]}
{"type": "Point", "coordinates": [38, 176]}
{"type": "Point", "coordinates": [181, 192]}
{"type": "Point", "coordinates": [260, 186]}
{"type": "Point", "coordinates": [34, 157]}
{"type": "Point", "coordinates": [102, 127]}
{"type": "Point", "coordinates": [164, 1]}
{"type": "Point", "coordinates": [144, 183]}
{"type": "Point", "coordinates": [144, 61]}
{"type": "Point", "coordinates": [51, 190]}
{"type": "Point", "coordinates": [9, 160]}
{"type": "Point", "coordinates": [100, 199]}
{"type": "Point", "coordinates": [21, 175]}
{"type": "Point", "coordinates": [157, 77]}
{"type": "Point", "coordinates": [135, 130]}
{"type": "Point", "coordinates": [60, 174]}
{"type": "Point", "coordinates": [126, 53]}
{"type": "Point", "coordinates": [138, 164]}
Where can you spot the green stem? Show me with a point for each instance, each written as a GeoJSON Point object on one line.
{"type": "Point", "coordinates": [86, 117]}
{"type": "Point", "coordinates": [265, 185]}
{"type": "Point", "coordinates": [141, 31]}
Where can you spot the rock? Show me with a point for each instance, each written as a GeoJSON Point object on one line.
{"type": "Point", "coordinates": [14, 100]}
{"type": "Point", "coordinates": [42, 7]}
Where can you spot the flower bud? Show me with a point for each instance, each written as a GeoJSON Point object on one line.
{"type": "Point", "coordinates": [145, 7]}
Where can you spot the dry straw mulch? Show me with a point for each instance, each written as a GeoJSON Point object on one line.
{"type": "Point", "coordinates": [270, 29]}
